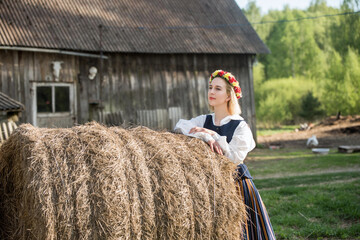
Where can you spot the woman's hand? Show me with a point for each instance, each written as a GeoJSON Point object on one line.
{"type": "Point", "coordinates": [204, 130]}
{"type": "Point", "coordinates": [212, 143]}
{"type": "Point", "coordinates": [215, 146]}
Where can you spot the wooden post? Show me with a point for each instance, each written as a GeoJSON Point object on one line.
{"type": "Point", "coordinates": [251, 94]}
{"type": "Point", "coordinates": [101, 106]}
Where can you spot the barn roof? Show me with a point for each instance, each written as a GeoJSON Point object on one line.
{"type": "Point", "coordinates": [143, 26]}
{"type": "Point", "coordinates": [7, 104]}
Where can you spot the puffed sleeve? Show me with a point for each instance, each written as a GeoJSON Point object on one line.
{"type": "Point", "coordinates": [241, 143]}
{"type": "Point", "coordinates": [183, 126]}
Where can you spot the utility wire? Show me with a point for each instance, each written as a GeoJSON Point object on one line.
{"type": "Point", "coordinates": [238, 24]}
{"type": "Point", "coordinates": [306, 18]}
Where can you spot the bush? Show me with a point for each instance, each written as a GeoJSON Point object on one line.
{"type": "Point", "coordinates": [279, 101]}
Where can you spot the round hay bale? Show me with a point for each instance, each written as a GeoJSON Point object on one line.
{"type": "Point", "coordinates": [95, 182]}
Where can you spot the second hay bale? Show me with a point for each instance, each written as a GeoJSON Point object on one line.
{"type": "Point", "coordinates": [94, 182]}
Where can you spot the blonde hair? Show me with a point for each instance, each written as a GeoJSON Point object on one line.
{"type": "Point", "coordinates": [233, 105]}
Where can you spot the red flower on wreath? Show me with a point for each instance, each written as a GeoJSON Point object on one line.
{"type": "Point", "coordinates": [232, 80]}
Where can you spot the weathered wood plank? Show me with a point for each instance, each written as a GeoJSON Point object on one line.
{"type": "Point", "coordinates": [349, 149]}
{"type": "Point", "coordinates": [16, 76]}
{"type": "Point", "coordinates": [6, 72]}
{"type": "Point", "coordinates": [252, 117]}
{"type": "Point", "coordinates": [2, 68]}
{"type": "Point", "coordinates": [29, 91]}
{"type": "Point", "coordinates": [168, 86]}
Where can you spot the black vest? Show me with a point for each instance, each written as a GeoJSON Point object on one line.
{"type": "Point", "coordinates": [224, 130]}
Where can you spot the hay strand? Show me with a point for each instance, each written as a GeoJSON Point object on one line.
{"type": "Point", "coordinates": [95, 182]}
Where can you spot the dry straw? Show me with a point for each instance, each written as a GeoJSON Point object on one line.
{"type": "Point", "coordinates": [94, 182]}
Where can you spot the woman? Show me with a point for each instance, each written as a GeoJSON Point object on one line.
{"type": "Point", "coordinates": [227, 134]}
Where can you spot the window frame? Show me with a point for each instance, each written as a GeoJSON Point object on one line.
{"type": "Point", "coordinates": [72, 100]}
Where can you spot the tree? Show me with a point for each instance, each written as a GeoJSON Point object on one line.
{"type": "Point", "coordinates": [252, 12]}
{"type": "Point", "coordinates": [342, 86]}
{"type": "Point", "coordinates": [346, 34]}
{"type": "Point", "coordinates": [294, 52]}
{"type": "Point", "coordinates": [332, 94]}
{"type": "Point", "coordinates": [352, 81]}
{"type": "Point", "coordinates": [310, 107]}
{"type": "Point", "coordinates": [321, 51]}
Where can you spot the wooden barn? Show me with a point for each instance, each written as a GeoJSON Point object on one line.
{"type": "Point", "coordinates": [135, 62]}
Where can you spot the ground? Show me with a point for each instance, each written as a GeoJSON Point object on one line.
{"type": "Point", "coordinates": [310, 196]}
{"type": "Point", "coordinates": [331, 133]}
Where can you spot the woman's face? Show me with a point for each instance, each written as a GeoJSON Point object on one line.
{"type": "Point", "coordinates": [217, 95]}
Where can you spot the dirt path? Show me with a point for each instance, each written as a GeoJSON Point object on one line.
{"type": "Point", "coordinates": [330, 133]}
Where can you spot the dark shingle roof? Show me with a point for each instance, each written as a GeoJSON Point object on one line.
{"type": "Point", "coordinates": [7, 104]}
{"type": "Point", "coordinates": [147, 26]}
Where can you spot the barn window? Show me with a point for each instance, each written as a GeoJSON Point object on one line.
{"type": "Point", "coordinates": [62, 99]}
{"type": "Point", "coordinates": [44, 99]}
{"type": "Point", "coordinates": [53, 98]}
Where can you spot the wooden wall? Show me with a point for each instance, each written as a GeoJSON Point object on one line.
{"type": "Point", "coordinates": [148, 89]}
{"type": "Point", "coordinates": [176, 83]}
{"type": "Point", "coordinates": [19, 70]}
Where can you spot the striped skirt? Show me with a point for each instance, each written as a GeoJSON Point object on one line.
{"type": "Point", "coordinates": [258, 226]}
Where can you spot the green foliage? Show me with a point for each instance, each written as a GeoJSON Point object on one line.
{"type": "Point", "coordinates": [279, 100]}
{"type": "Point", "coordinates": [324, 51]}
{"type": "Point", "coordinates": [352, 81]}
{"type": "Point", "coordinates": [275, 110]}
{"type": "Point", "coordinates": [342, 87]}
{"type": "Point", "coordinates": [252, 12]}
{"type": "Point", "coordinates": [310, 107]}
{"type": "Point", "coordinates": [343, 33]}
{"type": "Point", "coordinates": [294, 50]}
{"type": "Point", "coordinates": [258, 74]}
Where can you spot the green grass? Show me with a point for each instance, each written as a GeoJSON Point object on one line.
{"type": "Point", "coordinates": [291, 162]}
{"type": "Point", "coordinates": [307, 180]}
{"type": "Point", "coordinates": [309, 196]}
{"type": "Point", "coordinates": [271, 131]}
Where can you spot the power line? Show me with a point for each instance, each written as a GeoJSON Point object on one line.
{"type": "Point", "coordinates": [306, 18]}
{"type": "Point", "coordinates": [238, 24]}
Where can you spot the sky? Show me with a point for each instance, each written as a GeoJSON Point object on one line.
{"type": "Point", "coordinates": [266, 5]}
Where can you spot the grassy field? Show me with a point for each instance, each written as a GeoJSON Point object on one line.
{"type": "Point", "coordinates": [309, 196]}
{"type": "Point", "coordinates": [271, 131]}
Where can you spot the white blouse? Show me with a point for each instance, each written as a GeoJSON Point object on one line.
{"type": "Point", "coordinates": [239, 146]}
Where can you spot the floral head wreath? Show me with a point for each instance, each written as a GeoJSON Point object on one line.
{"type": "Point", "coordinates": [229, 78]}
